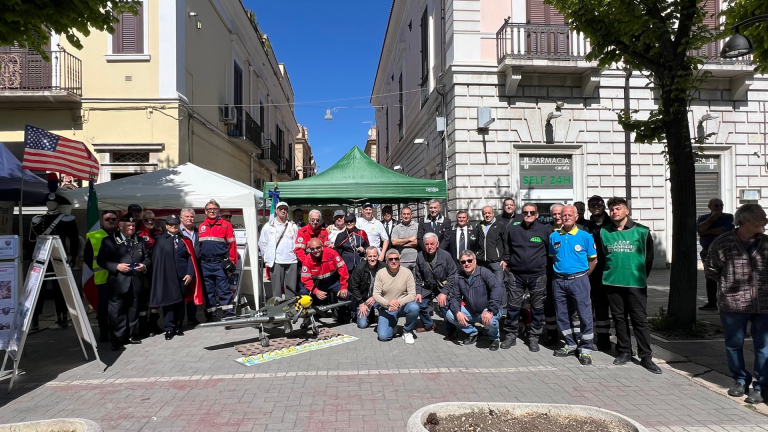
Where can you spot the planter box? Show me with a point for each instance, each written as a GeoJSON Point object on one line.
{"type": "Point", "coordinates": [55, 425]}
{"type": "Point", "coordinates": [417, 420]}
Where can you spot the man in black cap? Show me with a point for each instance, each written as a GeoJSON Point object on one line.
{"type": "Point", "coordinates": [599, 219]}
{"type": "Point", "coordinates": [173, 270]}
{"type": "Point", "coordinates": [124, 255]}
{"type": "Point", "coordinates": [387, 220]}
{"type": "Point", "coordinates": [135, 211]}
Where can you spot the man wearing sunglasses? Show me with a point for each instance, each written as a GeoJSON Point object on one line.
{"type": "Point", "coordinates": [217, 250]}
{"type": "Point", "coordinates": [475, 297]}
{"type": "Point", "coordinates": [147, 228]}
{"type": "Point", "coordinates": [599, 219]}
{"type": "Point", "coordinates": [395, 291]}
{"type": "Point", "coordinates": [527, 271]}
{"type": "Point", "coordinates": [325, 277]}
{"type": "Point", "coordinates": [575, 257]}
{"type": "Point", "coordinates": [312, 230]}
{"type": "Point", "coordinates": [95, 289]}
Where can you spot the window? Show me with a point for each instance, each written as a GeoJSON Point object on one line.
{"type": "Point", "coordinates": [237, 99]}
{"type": "Point", "coordinates": [424, 47]}
{"type": "Point", "coordinates": [129, 33]}
{"type": "Point", "coordinates": [540, 13]}
{"type": "Point", "coordinates": [707, 182]}
{"type": "Point", "coordinates": [400, 106]}
{"type": "Point", "coordinates": [130, 157]}
{"type": "Point", "coordinates": [261, 114]}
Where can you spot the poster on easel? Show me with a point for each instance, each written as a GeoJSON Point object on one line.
{"type": "Point", "coordinates": [49, 249]}
{"type": "Point", "coordinates": [8, 282]}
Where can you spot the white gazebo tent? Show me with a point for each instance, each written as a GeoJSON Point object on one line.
{"type": "Point", "coordinates": [178, 187]}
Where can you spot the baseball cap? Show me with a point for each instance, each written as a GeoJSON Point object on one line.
{"type": "Point", "coordinates": [134, 208]}
{"type": "Point", "coordinates": [367, 205]}
{"type": "Point", "coordinates": [350, 218]}
{"type": "Point", "coordinates": [172, 220]}
{"type": "Point", "coordinates": [338, 213]}
{"type": "Point", "coordinates": [127, 218]}
{"type": "Point", "coordinates": [596, 198]}
{"type": "Point", "coordinates": [386, 209]}
{"type": "Point", "coordinates": [281, 204]}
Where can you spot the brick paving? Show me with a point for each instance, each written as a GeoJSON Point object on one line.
{"type": "Point", "coordinates": [192, 384]}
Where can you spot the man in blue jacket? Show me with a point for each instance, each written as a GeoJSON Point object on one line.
{"type": "Point", "coordinates": [526, 271]}
{"type": "Point", "coordinates": [475, 297]}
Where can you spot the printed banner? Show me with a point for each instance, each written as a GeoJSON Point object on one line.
{"type": "Point", "coordinates": [286, 352]}
{"type": "Point", "coordinates": [8, 283]}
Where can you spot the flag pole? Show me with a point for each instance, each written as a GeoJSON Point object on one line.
{"type": "Point", "coordinates": [20, 270]}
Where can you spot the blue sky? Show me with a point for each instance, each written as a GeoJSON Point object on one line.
{"type": "Point", "coordinates": [331, 51]}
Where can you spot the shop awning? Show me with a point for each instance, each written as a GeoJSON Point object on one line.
{"type": "Point", "coordinates": [356, 179]}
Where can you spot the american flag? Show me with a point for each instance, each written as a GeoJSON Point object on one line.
{"type": "Point", "coordinates": [45, 151]}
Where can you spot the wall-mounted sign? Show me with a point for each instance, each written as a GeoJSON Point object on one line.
{"type": "Point", "coordinates": [707, 164]}
{"type": "Point", "coordinates": [545, 172]}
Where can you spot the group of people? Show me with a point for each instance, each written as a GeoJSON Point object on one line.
{"type": "Point", "coordinates": [570, 272]}
{"type": "Point", "coordinates": [142, 271]}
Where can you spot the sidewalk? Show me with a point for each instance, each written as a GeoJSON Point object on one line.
{"type": "Point", "coordinates": [192, 384]}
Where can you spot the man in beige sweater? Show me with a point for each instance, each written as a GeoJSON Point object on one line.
{"type": "Point", "coordinates": [394, 291]}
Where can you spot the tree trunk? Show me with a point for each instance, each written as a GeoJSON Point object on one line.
{"type": "Point", "coordinates": [683, 277]}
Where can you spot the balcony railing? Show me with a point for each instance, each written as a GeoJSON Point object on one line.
{"type": "Point", "coordinates": [285, 166]}
{"type": "Point", "coordinates": [424, 86]}
{"type": "Point", "coordinates": [28, 71]}
{"type": "Point", "coordinates": [535, 41]}
{"type": "Point", "coordinates": [712, 52]}
{"type": "Point", "coordinates": [245, 127]}
{"type": "Point", "coordinates": [270, 153]}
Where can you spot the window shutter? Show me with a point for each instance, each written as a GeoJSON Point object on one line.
{"type": "Point", "coordinates": [129, 34]}
{"type": "Point", "coordinates": [711, 9]}
{"type": "Point", "coordinates": [424, 46]}
{"type": "Point", "coordinates": [539, 13]}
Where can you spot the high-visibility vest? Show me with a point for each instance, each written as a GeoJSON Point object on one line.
{"type": "Point", "coordinates": [99, 274]}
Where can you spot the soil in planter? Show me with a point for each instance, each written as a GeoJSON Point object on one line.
{"type": "Point", "coordinates": [494, 421]}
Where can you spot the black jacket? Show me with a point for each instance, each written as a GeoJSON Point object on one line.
{"type": "Point", "coordinates": [114, 251]}
{"type": "Point", "coordinates": [452, 239]}
{"type": "Point", "coordinates": [360, 285]}
{"type": "Point", "coordinates": [492, 248]}
{"type": "Point", "coordinates": [594, 228]}
{"type": "Point", "coordinates": [484, 292]}
{"type": "Point", "coordinates": [528, 248]}
{"type": "Point", "coordinates": [435, 275]}
{"type": "Point", "coordinates": [509, 219]}
{"type": "Point", "coordinates": [442, 225]}
{"type": "Point", "coordinates": [171, 261]}
{"type": "Point", "coordinates": [346, 245]}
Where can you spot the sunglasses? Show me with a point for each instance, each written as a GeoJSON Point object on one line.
{"type": "Point", "coordinates": [313, 249]}
{"type": "Point", "coordinates": [149, 220]}
{"type": "Point", "coordinates": [596, 205]}
{"type": "Point", "coordinates": [350, 222]}
{"type": "Point", "coordinates": [469, 261]}
{"type": "Point", "coordinates": [110, 219]}
{"type": "Point", "coordinates": [529, 213]}
{"type": "Point", "coordinates": [393, 259]}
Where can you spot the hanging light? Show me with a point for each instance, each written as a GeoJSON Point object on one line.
{"type": "Point", "coordinates": [328, 115]}
{"type": "Point", "coordinates": [738, 45]}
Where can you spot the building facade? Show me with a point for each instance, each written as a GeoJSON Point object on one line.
{"type": "Point", "coordinates": [526, 116]}
{"type": "Point", "coordinates": [304, 165]}
{"type": "Point", "coordinates": [181, 81]}
{"type": "Point", "coordinates": [371, 148]}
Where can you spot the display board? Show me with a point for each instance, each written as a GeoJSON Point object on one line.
{"type": "Point", "coordinates": [10, 266]}
{"type": "Point", "coordinates": [49, 249]}
{"type": "Point", "coordinates": [240, 285]}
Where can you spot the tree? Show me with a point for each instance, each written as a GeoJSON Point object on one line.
{"type": "Point", "coordinates": [739, 10]}
{"type": "Point", "coordinates": [656, 37]}
{"type": "Point", "coordinates": [30, 22]}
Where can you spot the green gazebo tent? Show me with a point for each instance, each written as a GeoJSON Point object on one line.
{"type": "Point", "coordinates": [356, 179]}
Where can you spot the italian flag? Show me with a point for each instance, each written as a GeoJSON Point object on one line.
{"type": "Point", "coordinates": [90, 290]}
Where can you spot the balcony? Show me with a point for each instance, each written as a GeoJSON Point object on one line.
{"type": "Point", "coordinates": [270, 156]}
{"type": "Point", "coordinates": [723, 67]}
{"type": "Point", "coordinates": [25, 76]}
{"type": "Point", "coordinates": [542, 48]}
{"type": "Point", "coordinates": [245, 128]}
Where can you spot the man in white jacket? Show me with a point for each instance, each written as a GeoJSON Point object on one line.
{"type": "Point", "coordinates": [278, 238]}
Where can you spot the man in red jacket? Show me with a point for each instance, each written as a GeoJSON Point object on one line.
{"type": "Point", "coordinates": [218, 256]}
{"type": "Point", "coordinates": [324, 276]}
{"type": "Point", "coordinates": [308, 232]}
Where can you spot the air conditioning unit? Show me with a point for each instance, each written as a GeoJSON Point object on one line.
{"type": "Point", "coordinates": [228, 114]}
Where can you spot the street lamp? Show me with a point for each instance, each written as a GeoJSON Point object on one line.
{"type": "Point", "coordinates": [739, 45]}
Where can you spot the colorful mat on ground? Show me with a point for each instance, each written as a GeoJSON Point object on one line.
{"type": "Point", "coordinates": [324, 341]}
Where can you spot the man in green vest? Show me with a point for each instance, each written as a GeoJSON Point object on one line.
{"type": "Point", "coordinates": [628, 248]}
{"type": "Point", "coordinates": [91, 252]}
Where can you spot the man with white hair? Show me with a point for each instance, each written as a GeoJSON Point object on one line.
{"type": "Point", "coordinates": [218, 256]}
{"type": "Point", "coordinates": [434, 274]}
{"type": "Point", "coordinates": [189, 230]}
{"type": "Point", "coordinates": [377, 235]}
{"type": "Point", "coordinates": [312, 230]}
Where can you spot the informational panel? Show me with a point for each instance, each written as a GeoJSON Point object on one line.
{"type": "Point", "coordinates": [240, 281]}
{"type": "Point", "coordinates": [48, 249]}
{"type": "Point", "coordinates": [9, 272]}
{"type": "Point", "coordinates": [9, 247]}
{"type": "Point", "coordinates": [546, 172]}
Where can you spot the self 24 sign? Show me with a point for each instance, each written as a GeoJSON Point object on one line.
{"type": "Point", "coordinates": [546, 180]}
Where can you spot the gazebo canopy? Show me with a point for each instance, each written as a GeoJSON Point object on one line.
{"type": "Point", "coordinates": [356, 179]}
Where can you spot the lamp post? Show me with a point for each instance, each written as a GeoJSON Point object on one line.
{"type": "Point", "coordinates": [739, 45]}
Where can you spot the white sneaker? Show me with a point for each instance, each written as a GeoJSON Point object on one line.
{"type": "Point", "coordinates": [408, 338]}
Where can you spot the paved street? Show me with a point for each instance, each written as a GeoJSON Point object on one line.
{"type": "Point", "coordinates": [192, 383]}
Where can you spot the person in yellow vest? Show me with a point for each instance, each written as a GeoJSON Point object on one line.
{"type": "Point", "coordinates": [92, 246]}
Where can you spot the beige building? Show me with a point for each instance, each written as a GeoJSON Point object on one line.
{"type": "Point", "coordinates": [182, 81]}
{"type": "Point", "coordinates": [304, 162]}
{"type": "Point", "coordinates": [370, 144]}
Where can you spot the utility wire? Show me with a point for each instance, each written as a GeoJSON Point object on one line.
{"type": "Point", "coordinates": [316, 102]}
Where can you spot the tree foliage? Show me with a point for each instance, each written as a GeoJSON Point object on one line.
{"type": "Point", "coordinates": [656, 38]}
{"type": "Point", "coordinates": [30, 22]}
{"type": "Point", "coordinates": [739, 10]}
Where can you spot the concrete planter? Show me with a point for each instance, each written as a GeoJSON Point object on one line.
{"type": "Point", "coordinates": [417, 420]}
{"type": "Point", "coordinates": [55, 425]}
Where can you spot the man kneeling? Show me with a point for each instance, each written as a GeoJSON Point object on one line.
{"type": "Point", "coordinates": [324, 276]}
{"type": "Point", "coordinates": [395, 291]}
{"type": "Point", "coordinates": [475, 297]}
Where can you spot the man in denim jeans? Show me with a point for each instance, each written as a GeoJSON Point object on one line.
{"type": "Point", "coordinates": [394, 289]}
{"type": "Point", "coordinates": [475, 297]}
{"type": "Point", "coordinates": [737, 261]}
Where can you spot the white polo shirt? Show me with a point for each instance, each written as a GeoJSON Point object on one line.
{"type": "Point", "coordinates": [375, 230]}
